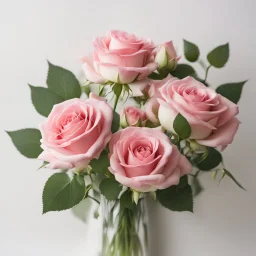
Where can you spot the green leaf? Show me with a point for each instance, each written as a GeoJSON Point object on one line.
{"type": "Point", "coordinates": [183, 70]}
{"type": "Point", "coordinates": [218, 57]}
{"type": "Point", "coordinates": [126, 201]}
{"type": "Point", "coordinates": [43, 99]}
{"type": "Point", "coordinates": [27, 141]}
{"type": "Point", "coordinates": [117, 89]}
{"type": "Point", "coordinates": [63, 82]}
{"type": "Point", "coordinates": [231, 91]}
{"type": "Point", "coordinates": [86, 89]}
{"type": "Point", "coordinates": [191, 51]}
{"type": "Point", "coordinates": [61, 192]}
{"type": "Point", "coordinates": [43, 165]}
{"type": "Point", "coordinates": [101, 165]}
{"type": "Point", "coordinates": [211, 161]}
{"type": "Point", "coordinates": [181, 126]}
{"type": "Point", "coordinates": [200, 158]}
{"type": "Point", "coordinates": [155, 76]}
{"type": "Point", "coordinates": [177, 197]}
{"type": "Point", "coordinates": [110, 188]}
{"type": "Point", "coordinates": [226, 172]}
{"type": "Point", "coordinates": [115, 122]}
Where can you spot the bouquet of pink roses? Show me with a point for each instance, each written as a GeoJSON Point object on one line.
{"type": "Point", "coordinates": [171, 129]}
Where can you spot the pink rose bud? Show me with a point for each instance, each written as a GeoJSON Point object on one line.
{"type": "Point", "coordinates": [131, 116]}
{"type": "Point", "coordinates": [211, 116]}
{"type": "Point", "coordinates": [119, 57]}
{"type": "Point", "coordinates": [166, 57]}
{"type": "Point", "coordinates": [145, 160]}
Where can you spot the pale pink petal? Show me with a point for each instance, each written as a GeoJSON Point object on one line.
{"type": "Point", "coordinates": [224, 135]}
{"type": "Point", "coordinates": [54, 162]}
{"type": "Point", "coordinates": [170, 49]}
{"type": "Point", "coordinates": [90, 72]}
{"type": "Point", "coordinates": [151, 108]}
{"type": "Point", "coordinates": [147, 70]}
{"type": "Point", "coordinates": [171, 180]}
{"type": "Point", "coordinates": [232, 110]}
{"type": "Point", "coordinates": [184, 166]}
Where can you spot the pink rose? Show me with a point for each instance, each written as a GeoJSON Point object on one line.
{"type": "Point", "coordinates": [119, 57]}
{"type": "Point", "coordinates": [145, 160]}
{"type": "Point", "coordinates": [152, 105]}
{"type": "Point", "coordinates": [75, 132]}
{"type": "Point", "coordinates": [210, 115]}
{"type": "Point", "coordinates": [166, 57]}
{"type": "Point", "coordinates": [132, 116]}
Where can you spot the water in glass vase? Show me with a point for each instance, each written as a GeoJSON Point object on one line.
{"type": "Point", "coordinates": [125, 230]}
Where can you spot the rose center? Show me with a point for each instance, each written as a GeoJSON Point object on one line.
{"type": "Point", "coordinates": [142, 152]}
{"type": "Point", "coordinates": [70, 124]}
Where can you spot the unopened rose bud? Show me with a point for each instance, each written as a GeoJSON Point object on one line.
{"type": "Point", "coordinates": [197, 147]}
{"type": "Point", "coordinates": [166, 58]}
{"type": "Point", "coordinates": [135, 196]}
{"type": "Point", "coordinates": [131, 116]}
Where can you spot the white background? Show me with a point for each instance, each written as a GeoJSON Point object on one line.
{"type": "Point", "coordinates": [31, 31]}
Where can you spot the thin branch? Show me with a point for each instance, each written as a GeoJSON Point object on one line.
{"type": "Point", "coordinates": [206, 73]}
{"type": "Point", "coordinates": [94, 199]}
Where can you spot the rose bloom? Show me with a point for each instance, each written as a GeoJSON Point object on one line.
{"type": "Point", "coordinates": [145, 160]}
{"type": "Point", "coordinates": [152, 105]}
{"type": "Point", "coordinates": [132, 116]}
{"type": "Point", "coordinates": [75, 132]}
{"type": "Point", "coordinates": [210, 115]}
{"type": "Point", "coordinates": [119, 57]}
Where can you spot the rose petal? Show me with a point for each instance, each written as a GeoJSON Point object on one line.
{"type": "Point", "coordinates": [90, 72]}
{"type": "Point", "coordinates": [224, 135]}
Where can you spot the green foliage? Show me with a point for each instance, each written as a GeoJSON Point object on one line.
{"type": "Point", "coordinates": [227, 173]}
{"type": "Point", "coordinates": [61, 192]}
{"type": "Point", "coordinates": [116, 122]}
{"type": "Point", "coordinates": [177, 197]}
{"type": "Point", "coordinates": [43, 99]}
{"type": "Point", "coordinates": [218, 57]}
{"type": "Point", "coordinates": [231, 91]}
{"type": "Point", "coordinates": [117, 89]}
{"type": "Point", "coordinates": [183, 70]}
{"type": "Point", "coordinates": [155, 76]}
{"type": "Point", "coordinates": [63, 82]}
{"type": "Point", "coordinates": [27, 141]}
{"type": "Point", "coordinates": [191, 51]}
{"type": "Point", "coordinates": [101, 165]}
{"type": "Point", "coordinates": [110, 188]}
{"type": "Point", "coordinates": [181, 126]}
{"type": "Point", "coordinates": [43, 165]}
{"type": "Point", "coordinates": [86, 89]}
{"type": "Point", "coordinates": [212, 160]}
{"type": "Point", "coordinates": [126, 201]}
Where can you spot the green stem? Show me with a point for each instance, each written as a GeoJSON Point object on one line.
{"type": "Point", "coordinates": [206, 73]}
{"type": "Point", "coordinates": [116, 101]}
{"type": "Point", "coordinates": [91, 178]}
{"type": "Point", "coordinates": [94, 199]}
{"type": "Point", "coordinates": [125, 241]}
{"type": "Point", "coordinates": [202, 64]}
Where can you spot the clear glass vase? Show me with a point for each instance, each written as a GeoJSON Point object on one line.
{"type": "Point", "coordinates": [125, 231]}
